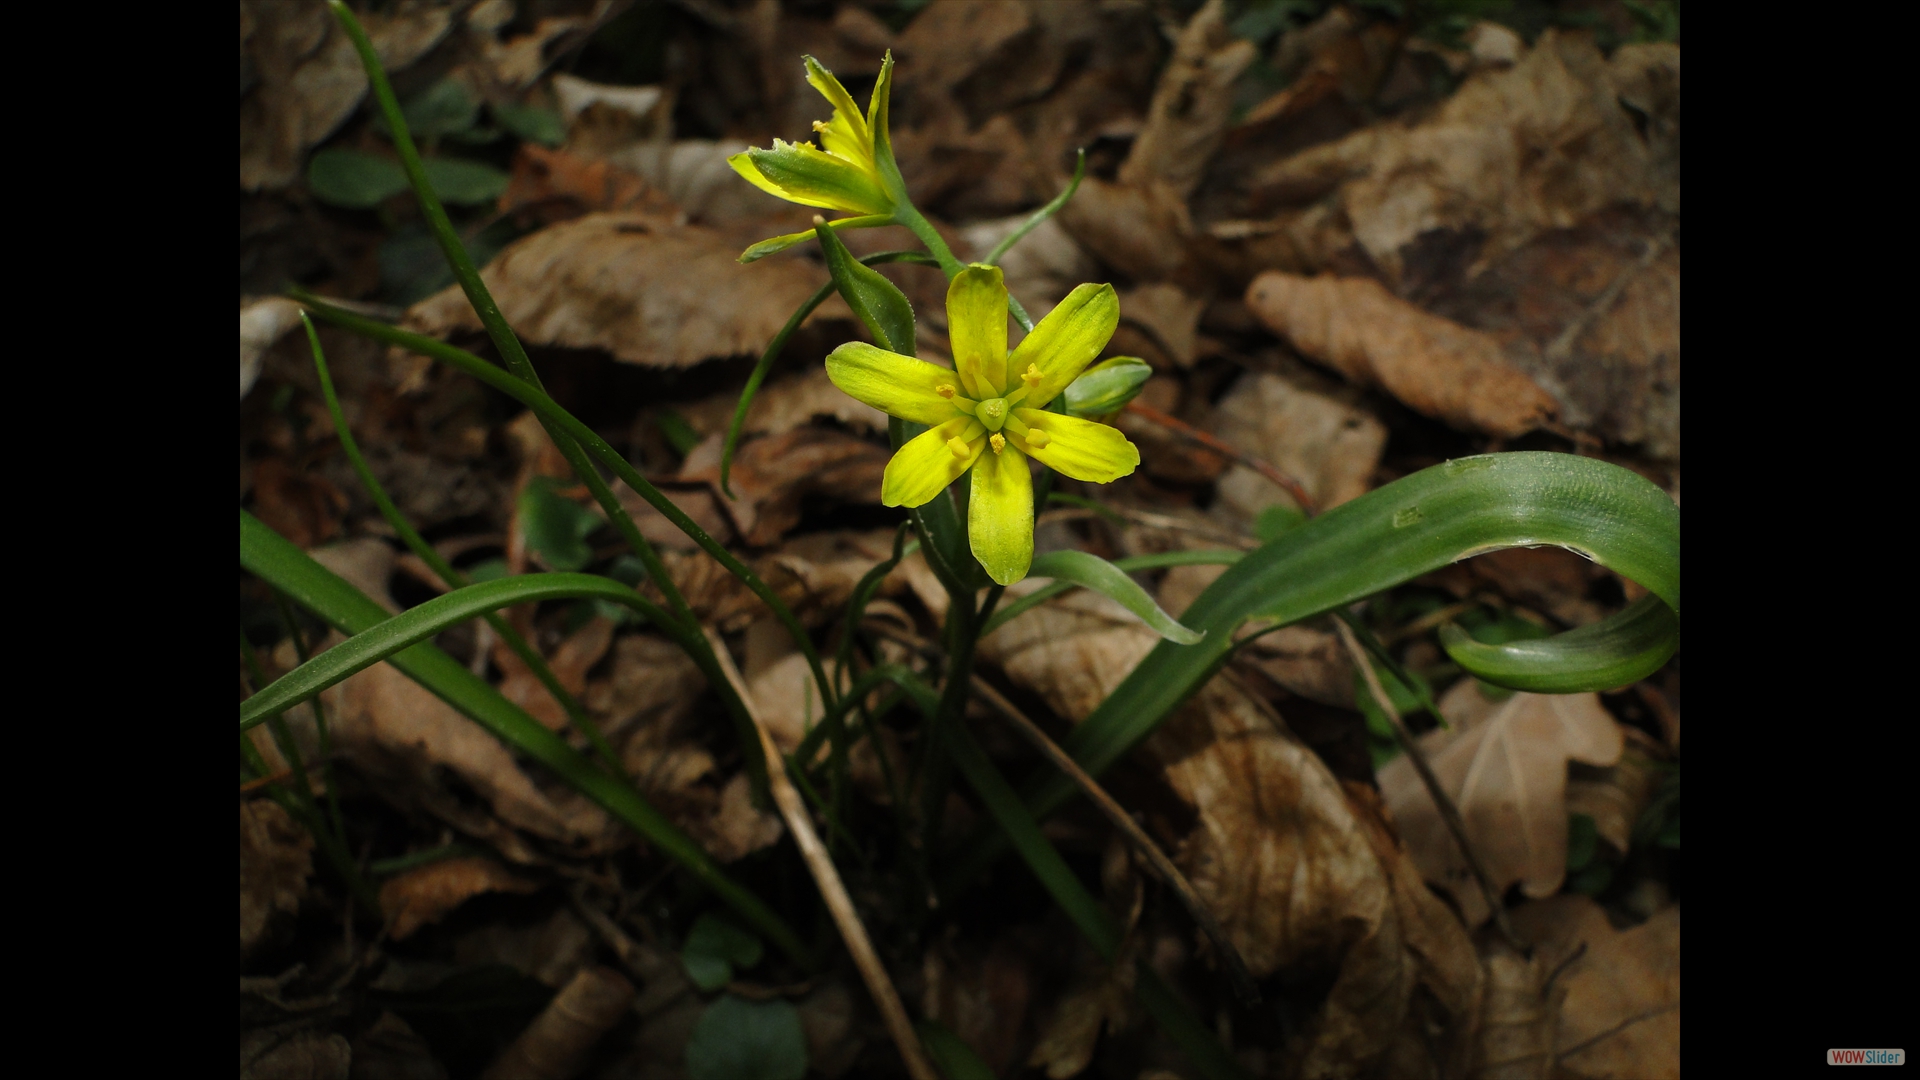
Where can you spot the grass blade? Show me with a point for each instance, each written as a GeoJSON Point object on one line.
{"type": "Point", "coordinates": [273, 558]}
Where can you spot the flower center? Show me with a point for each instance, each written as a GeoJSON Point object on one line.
{"type": "Point", "coordinates": [993, 413]}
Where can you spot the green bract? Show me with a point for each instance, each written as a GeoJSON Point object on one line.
{"type": "Point", "coordinates": [844, 173]}
{"type": "Point", "coordinates": [988, 413]}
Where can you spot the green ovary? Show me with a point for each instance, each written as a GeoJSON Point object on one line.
{"type": "Point", "coordinates": [993, 413]}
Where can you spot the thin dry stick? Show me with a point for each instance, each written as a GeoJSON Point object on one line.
{"type": "Point", "coordinates": [1237, 973]}
{"type": "Point", "coordinates": [1449, 813]}
{"type": "Point", "coordinates": [832, 890]}
{"type": "Point", "coordinates": [259, 782]}
{"type": "Point", "coordinates": [1193, 434]}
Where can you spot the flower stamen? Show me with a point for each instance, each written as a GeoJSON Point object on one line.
{"type": "Point", "coordinates": [959, 447]}
{"type": "Point", "coordinates": [999, 442]}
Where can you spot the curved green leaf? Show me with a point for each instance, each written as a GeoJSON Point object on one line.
{"type": "Point", "coordinates": [465, 182]}
{"type": "Point", "coordinates": [275, 559]}
{"type": "Point", "coordinates": [1410, 527]}
{"type": "Point", "coordinates": [880, 306]}
{"type": "Point", "coordinates": [354, 178]}
{"type": "Point", "coordinates": [1090, 571]}
{"type": "Point", "coordinates": [1040, 215]}
{"type": "Point", "coordinates": [1623, 648]}
{"type": "Point", "coordinates": [410, 627]}
{"type": "Point", "coordinates": [1220, 557]}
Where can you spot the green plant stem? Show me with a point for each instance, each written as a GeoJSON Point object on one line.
{"type": "Point", "coordinates": [321, 733]}
{"type": "Point", "coordinates": [909, 215]}
{"type": "Point", "coordinates": [777, 346]}
{"type": "Point", "coordinates": [445, 570]}
{"type": "Point", "coordinates": [545, 406]}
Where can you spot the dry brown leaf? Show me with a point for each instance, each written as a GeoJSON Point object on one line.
{"type": "Point", "coordinates": [981, 995]}
{"type": "Point", "coordinates": [1072, 651]}
{"type": "Point", "coordinates": [651, 684]}
{"type": "Point", "coordinates": [300, 77]}
{"type": "Point", "coordinates": [427, 894]}
{"type": "Point", "coordinates": [276, 858]}
{"type": "Point", "coordinates": [1515, 152]}
{"type": "Point", "coordinates": [393, 729]}
{"type": "Point", "coordinates": [1507, 772]}
{"type": "Point", "coordinates": [1144, 228]}
{"type": "Point", "coordinates": [304, 507]}
{"type": "Point", "coordinates": [559, 1039]}
{"type": "Point", "coordinates": [772, 475]}
{"type": "Point", "coordinates": [1071, 1031]}
{"type": "Point", "coordinates": [390, 1050]}
{"type": "Point", "coordinates": [551, 950]}
{"type": "Point", "coordinates": [1433, 365]}
{"type": "Point", "coordinates": [1319, 433]}
{"type": "Point", "coordinates": [1307, 661]}
{"type": "Point", "coordinates": [1192, 104]}
{"type": "Point", "coordinates": [783, 404]}
{"type": "Point", "coordinates": [1302, 870]}
{"type": "Point", "coordinates": [1616, 796]}
{"type": "Point", "coordinates": [262, 323]}
{"type": "Point", "coordinates": [267, 1054]}
{"type": "Point", "coordinates": [664, 297]}
{"type": "Point", "coordinates": [1170, 317]}
{"type": "Point", "coordinates": [1620, 1014]}
{"type": "Point", "coordinates": [579, 651]}
{"type": "Point", "coordinates": [553, 185]}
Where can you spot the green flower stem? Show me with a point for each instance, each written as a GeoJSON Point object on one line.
{"type": "Point", "coordinates": [778, 345]}
{"type": "Point", "coordinates": [301, 807]}
{"type": "Point", "coordinates": [521, 366]}
{"type": "Point", "coordinates": [1053, 207]}
{"type": "Point", "coordinates": [446, 571]}
{"type": "Point", "coordinates": [909, 215]}
{"type": "Point", "coordinates": [274, 559]}
{"type": "Point", "coordinates": [324, 736]}
{"type": "Point", "coordinates": [545, 406]}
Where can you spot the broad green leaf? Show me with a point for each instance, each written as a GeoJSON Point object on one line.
{"type": "Point", "coordinates": [715, 948]}
{"type": "Point", "coordinates": [445, 108]}
{"type": "Point", "coordinates": [354, 178]}
{"type": "Point", "coordinates": [1093, 572]}
{"type": "Point", "coordinates": [556, 528]}
{"type": "Point", "coordinates": [464, 182]}
{"type": "Point", "coordinates": [1389, 536]}
{"type": "Point", "coordinates": [1620, 649]}
{"type": "Point", "coordinates": [880, 306]}
{"type": "Point", "coordinates": [534, 124]}
{"type": "Point", "coordinates": [737, 1039]}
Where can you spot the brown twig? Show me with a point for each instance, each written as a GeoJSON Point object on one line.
{"type": "Point", "coordinates": [1193, 434]}
{"type": "Point", "coordinates": [1449, 813]}
{"type": "Point", "coordinates": [892, 1011]}
{"type": "Point", "coordinates": [257, 783]}
{"type": "Point", "coordinates": [1237, 974]}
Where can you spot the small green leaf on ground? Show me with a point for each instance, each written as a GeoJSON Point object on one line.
{"type": "Point", "coordinates": [354, 178]}
{"type": "Point", "coordinates": [555, 528]}
{"type": "Point", "coordinates": [714, 948]}
{"type": "Point", "coordinates": [736, 1038]}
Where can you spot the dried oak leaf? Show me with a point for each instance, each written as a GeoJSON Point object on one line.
{"type": "Point", "coordinates": [1620, 1013]}
{"type": "Point", "coordinates": [560, 1038]}
{"type": "Point", "coordinates": [660, 296]}
{"type": "Point", "coordinates": [427, 894]}
{"type": "Point", "coordinates": [1505, 766]}
{"type": "Point", "coordinates": [1433, 365]}
{"type": "Point", "coordinates": [276, 858]}
{"type": "Point", "coordinates": [772, 475]}
{"type": "Point", "coordinates": [1516, 151]}
{"type": "Point", "coordinates": [1305, 425]}
{"type": "Point", "coordinates": [300, 78]}
{"type": "Point", "coordinates": [1295, 869]}
{"type": "Point", "coordinates": [579, 651]}
{"type": "Point", "coordinates": [783, 404]}
{"type": "Point", "coordinates": [1192, 104]}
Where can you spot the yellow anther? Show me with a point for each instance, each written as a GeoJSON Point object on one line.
{"type": "Point", "coordinates": [945, 390]}
{"type": "Point", "coordinates": [958, 446]}
{"type": "Point", "coordinates": [1032, 376]}
{"type": "Point", "coordinates": [819, 125]}
{"type": "Point", "coordinates": [999, 442]}
{"type": "Point", "coordinates": [1038, 439]}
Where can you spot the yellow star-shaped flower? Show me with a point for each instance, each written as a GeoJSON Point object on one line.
{"type": "Point", "coordinates": [988, 413]}
{"type": "Point", "coordinates": [849, 171]}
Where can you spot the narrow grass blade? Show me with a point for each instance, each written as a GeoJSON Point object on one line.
{"type": "Point", "coordinates": [274, 559]}
{"type": "Point", "coordinates": [1053, 207]}
{"type": "Point", "coordinates": [1616, 651]}
{"type": "Point", "coordinates": [1090, 571]}
{"type": "Point", "coordinates": [443, 569]}
{"type": "Point", "coordinates": [377, 643]}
